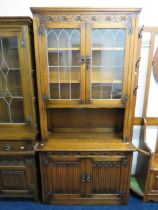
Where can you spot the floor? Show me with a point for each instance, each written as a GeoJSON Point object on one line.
{"type": "Point", "coordinates": [135, 203]}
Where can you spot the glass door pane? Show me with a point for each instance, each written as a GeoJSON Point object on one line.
{"type": "Point", "coordinates": [107, 65]}
{"type": "Point", "coordinates": [11, 98]}
{"type": "Point", "coordinates": [63, 47]}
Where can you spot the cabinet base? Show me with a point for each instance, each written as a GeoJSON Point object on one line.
{"type": "Point", "coordinates": [18, 176]}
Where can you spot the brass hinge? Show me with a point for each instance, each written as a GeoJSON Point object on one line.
{"type": "Point", "coordinates": [29, 163]}
{"type": "Point", "coordinates": [28, 120]}
{"type": "Point", "coordinates": [122, 194]}
{"type": "Point", "coordinates": [46, 162]}
{"type": "Point", "coordinates": [135, 90]}
{"type": "Point", "coordinates": [125, 162]}
{"type": "Point", "coordinates": [45, 98]}
{"type": "Point", "coordinates": [138, 63]}
{"type": "Point", "coordinates": [124, 99]}
{"type": "Point", "coordinates": [49, 195]}
{"type": "Point", "coordinates": [23, 39]}
{"type": "Point", "coordinates": [140, 34]}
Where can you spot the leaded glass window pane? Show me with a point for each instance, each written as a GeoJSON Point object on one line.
{"type": "Point", "coordinates": [63, 46]}
{"type": "Point", "coordinates": [107, 66]}
{"type": "Point", "coordinates": [11, 99]}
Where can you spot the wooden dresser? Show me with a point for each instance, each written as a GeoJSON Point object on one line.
{"type": "Point", "coordinates": [18, 129]}
{"type": "Point", "coordinates": [86, 73]}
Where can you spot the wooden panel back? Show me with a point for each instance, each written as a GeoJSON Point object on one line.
{"type": "Point", "coordinates": [85, 120]}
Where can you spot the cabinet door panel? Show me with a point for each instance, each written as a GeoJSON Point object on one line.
{"type": "Point", "coordinates": [65, 63]}
{"type": "Point", "coordinates": [106, 176]}
{"type": "Point", "coordinates": [16, 178]}
{"type": "Point", "coordinates": [107, 50]}
{"type": "Point", "coordinates": [11, 97]}
{"type": "Point", "coordinates": [153, 182]}
{"type": "Point", "coordinates": [62, 177]}
{"type": "Point", "coordinates": [15, 82]}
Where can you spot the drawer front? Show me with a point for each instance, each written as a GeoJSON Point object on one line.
{"type": "Point", "coordinates": [17, 176]}
{"type": "Point", "coordinates": [10, 146]}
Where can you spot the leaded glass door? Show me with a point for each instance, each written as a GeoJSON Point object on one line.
{"type": "Point", "coordinates": [14, 101]}
{"type": "Point", "coordinates": [107, 64]}
{"type": "Point", "coordinates": [66, 63]}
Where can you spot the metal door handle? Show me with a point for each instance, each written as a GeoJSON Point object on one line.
{"type": "Point", "coordinates": [82, 59]}
{"type": "Point", "coordinates": [83, 178]}
{"type": "Point", "coordinates": [88, 178]}
{"type": "Point", "coordinates": [88, 61]}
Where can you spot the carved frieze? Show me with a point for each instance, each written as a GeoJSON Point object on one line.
{"type": "Point", "coordinates": [87, 18]}
{"type": "Point", "coordinates": [8, 162]}
{"type": "Point", "coordinates": [103, 164]}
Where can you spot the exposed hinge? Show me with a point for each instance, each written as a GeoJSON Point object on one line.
{"type": "Point", "coordinates": [23, 39]}
{"type": "Point", "coordinates": [45, 98]}
{"type": "Point", "coordinates": [129, 25]}
{"type": "Point", "coordinates": [124, 99]}
{"type": "Point", "coordinates": [140, 34]}
{"type": "Point", "coordinates": [125, 162]}
{"type": "Point", "coordinates": [49, 195]}
{"type": "Point", "coordinates": [122, 193]}
{"type": "Point", "coordinates": [28, 120]}
{"type": "Point", "coordinates": [138, 63]}
{"type": "Point", "coordinates": [46, 162]}
{"type": "Point", "coordinates": [29, 163]}
{"type": "Point", "coordinates": [41, 25]}
{"type": "Point", "coordinates": [135, 90]}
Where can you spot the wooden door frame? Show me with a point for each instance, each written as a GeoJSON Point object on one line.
{"type": "Point", "coordinates": [114, 102]}
{"type": "Point", "coordinates": [21, 32]}
{"type": "Point", "coordinates": [46, 186]}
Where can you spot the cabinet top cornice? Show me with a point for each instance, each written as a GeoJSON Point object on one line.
{"type": "Point", "coordinates": [36, 10]}
{"type": "Point", "coordinates": [16, 20]}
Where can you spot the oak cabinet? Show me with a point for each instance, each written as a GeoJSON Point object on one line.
{"type": "Point", "coordinates": [86, 68]}
{"type": "Point", "coordinates": [18, 177]}
{"type": "Point", "coordinates": [84, 178]}
{"type": "Point", "coordinates": [18, 124]}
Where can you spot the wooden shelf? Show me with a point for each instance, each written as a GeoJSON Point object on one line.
{"type": "Point", "coordinates": [107, 81]}
{"type": "Point", "coordinates": [108, 48]}
{"type": "Point", "coordinates": [107, 103]}
{"type": "Point", "coordinates": [63, 49]}
{"type": "Point", "coordinates": [64, 81]}
{"type": "Point", "coordinates": [94, 49]}
{"type": "Point", "coordinates": [85, 142]}
{"type": "Point", "coordinates": [93, 82]}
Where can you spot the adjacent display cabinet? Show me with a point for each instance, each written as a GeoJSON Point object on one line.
{"type": "Point", "coordinates": [18, 129]}
{"type": "Point", "coordinates": [86, 73]}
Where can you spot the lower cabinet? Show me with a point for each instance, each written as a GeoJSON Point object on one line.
{"type": "Point", "coordinates": [85, 178]}
{"type": "Point", "coordinates": [152, 190]}
{"type": "Point", "coordinates": [18, 176]}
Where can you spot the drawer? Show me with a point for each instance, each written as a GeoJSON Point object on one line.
{"type": "Point", "coordinates": [11, 146]}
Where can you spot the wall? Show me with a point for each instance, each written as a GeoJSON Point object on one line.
{"type": "Point", "coordinates": [149, 15]}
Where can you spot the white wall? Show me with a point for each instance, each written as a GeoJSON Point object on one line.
{"type": "Point", "coordinates": [149, 15]}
